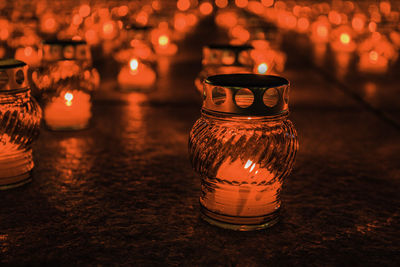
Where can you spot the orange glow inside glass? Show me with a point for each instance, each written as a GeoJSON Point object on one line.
{"type": "Point", "coordinates": [68, 99]}
{"type": "Point", "coordinates": [262, 68]}
{"type": "Point", "coordinates": [345, 38]}
{"type": "Point", "coordinates": [133, 64]}
{"type": "Point", "coordinates": [163, 40]}
{"type": "Point", "coordinates": [206, 8]}
{"type": "Point", "coordinates": [373, 56]}
{"type": "Point", "coordinates": [108, 28]}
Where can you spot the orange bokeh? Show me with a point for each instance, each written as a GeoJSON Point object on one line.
{"type": "Point", "coordinates": [206, 8]}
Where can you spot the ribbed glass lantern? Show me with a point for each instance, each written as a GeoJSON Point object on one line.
{"type": "Point", "coordinates": [243, 147]}
{"type": "Point", "coordinates": [19, 124]}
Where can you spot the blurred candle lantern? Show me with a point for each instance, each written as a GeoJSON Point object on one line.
{"type": "Point", "coordinates": [243, 147]}
{"type": "Point", "coordinates": [136, 76]}
{"type": "Point", "coordinates": [344, 46]}
{"type": "Point", "coordinates": [224, 59]}
{"type": "Point", "coordinates": [71, 110]}
{"type": "Point", "coordinates": [376, 53]}
{"type": "Point", "coordinates": [64, 84]}
{"type": "Point", "coordinates": [320, 31]}
{"type": "Point", "coordinates": [266, 59]}
{"type": "Point", "coordinates": [138, 60]}
{"type": "Point", "coordinates": [19, 124]}
{"type": "Point", "coordinates": [160, 38]}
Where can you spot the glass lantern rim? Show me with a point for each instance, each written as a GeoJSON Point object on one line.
{"type": "Point", "coordinates": [247, 80]}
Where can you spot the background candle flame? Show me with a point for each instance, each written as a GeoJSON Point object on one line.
{"type": "Point", "coordinates": [68, 97]}
{"type": "Point", "coordinates": [163, 40]}
{"type": "Point", "coordinates": [134, 64]}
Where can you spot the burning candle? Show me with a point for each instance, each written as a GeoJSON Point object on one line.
{"type": "Point", "coordinates": [136, 76]}
{"type": "Point", "coordinates": [71, 110]}
{"type": "Point", "coordinates": [243, 147]}
{"type": "Point", "coordinates": [19, 124]}
{"type": "Point", "coordinates": [164, 46]}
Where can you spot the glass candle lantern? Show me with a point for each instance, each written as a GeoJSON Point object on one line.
{"type": "Point", "coordinates": [243, 147]}
{"type": "Point", "coordinates": [138, 61]}
{"type": "Point", "coordinates": [19, 124]}
{"type": "Point", "coordinates": [224, 59]}
{"type": "Point", "coordinates": [64, 84]}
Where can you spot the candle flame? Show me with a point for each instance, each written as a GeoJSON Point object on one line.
{"type": "Point", "coordinates": [262, 68]}
{"type": "Point", "coordinates": [373, 56]}
{"type": "Point", "coordinates": [163, 40]}
{"type": "Point", "coordinates": [68, 97]}
{"type": "Point", "coordinates": [345, 38]}
{"type": "Point", "coordinates": [134, 64]}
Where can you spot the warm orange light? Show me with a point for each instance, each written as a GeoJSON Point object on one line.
{"type": "Point", "coordinates": [4, 33]}
{"type": "Point", "coordinates": [345, 38]}
{"type": "Point", "coordinates": [183, 5]}
{"type": "Point", "coordinates": [68, 99]}
{"type": "Point", "coordinates": [91, 36]}
{"type": "Point", "coordinates": [77, 19]}
{"type": "Point", "coordinates": [163, 40]}
{"type": "Point", "coordinates": [373, 56]}
{"type": "Point", "coordinates": [358, 24]}
{"type": "Point", "coordinates": [84, 10]}
{"type": "Point", "coordinates": [123, 11]}
{"type": "Point", "coordinates": [108, 28]}
{"type": "Point", "coordinates": [28, 51]}
{"type": "Point", "coordinates": [262, 68]}
{"type": "Point", "coordinates": [322, 31]}
{"type": "Point", "coordinates": [291, 21]}
{"type": "Point", "coordinates": [385, 7]}
{"type": "Point", "coordinates": [142, 18]}
{"type": "Point", "coordinates": [156, 5]}
{"type": "Point", "coordinates": [303, 24]}
{"type": "Point", "coordinates": [180, 22]}
{"type": "Point", "coordinates": [240, 33]}
{"type": "Point", "coordinates": [372, 26]}
{"type": "Point", "coordinates": [334, 17]}
{"type": "Point", "coordinates": [206, 8]}
{"type": "Point", "coordinates": [50, 24]}
{"type": "Point", "coordinates": [241, 3]}
{"type": "Point", "coordinates": [221, 3]}
{"type": "Point", "coordinates": [134, 64]}
{"type": "Point", "coordinates": [267, 3]}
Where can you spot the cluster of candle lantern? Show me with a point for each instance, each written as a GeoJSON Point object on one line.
{"type": "Point", "coordinates": [241, 181]}
{"type": "Point", "coordinates": [366, 31]}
